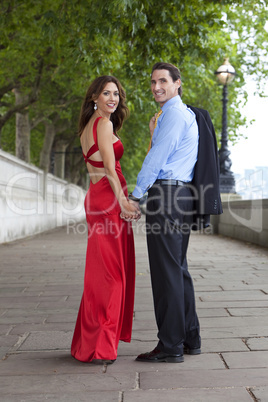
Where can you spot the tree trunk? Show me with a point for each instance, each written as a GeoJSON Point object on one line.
{"type": "Point", "coordinates": [59, 167]}
{"type": "Point", "coordinates": [50, 133]}
{"type": "Point", "coordinates": [22, 129]}
{"type": "Point", "coordinates": [77, 165]}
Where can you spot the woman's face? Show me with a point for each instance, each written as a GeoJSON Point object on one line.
{"type": "Point", "coordinates": [108, 99]}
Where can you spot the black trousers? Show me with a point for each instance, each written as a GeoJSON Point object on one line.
{"type": "Point", "coordinates": [168, 221]}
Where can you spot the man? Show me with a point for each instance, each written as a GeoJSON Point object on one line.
{"type": "Point", "coordinates": [168, 171]}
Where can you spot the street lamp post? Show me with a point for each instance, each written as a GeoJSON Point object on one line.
{"type": "Point", "coordinates": [225, 75]}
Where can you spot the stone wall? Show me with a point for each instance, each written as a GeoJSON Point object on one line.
{"type": "Point", "coordinates": [32, 201]}
{"type": "Point", "coordinates": [246, 220]}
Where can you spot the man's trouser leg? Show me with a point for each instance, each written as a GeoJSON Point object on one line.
{"type": "Point", "coordinates": [168, 228]}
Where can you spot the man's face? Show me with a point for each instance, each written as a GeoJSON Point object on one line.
{"type": "Point", "coordinates": [163, 87]}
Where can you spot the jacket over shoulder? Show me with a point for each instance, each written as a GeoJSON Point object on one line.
{"type": "Point", "coordinates": [207, 200]}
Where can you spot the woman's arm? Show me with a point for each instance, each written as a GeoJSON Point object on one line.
{"type": "Point", "coordinates": [105, 143]}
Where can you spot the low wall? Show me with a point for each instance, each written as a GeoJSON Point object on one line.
{"type": "Point", "coordinates": [245, 220]}
{"type": "Point", "coordinates": [32, 201]}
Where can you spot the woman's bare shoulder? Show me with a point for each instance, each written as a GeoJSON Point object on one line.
{"type": "Point", "coordinates": [105, 122]}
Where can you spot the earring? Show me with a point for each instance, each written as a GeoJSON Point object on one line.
{"type": "Point", "coordinates": [95, 106]}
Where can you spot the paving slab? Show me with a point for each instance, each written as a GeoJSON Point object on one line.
{"type": "Point", "coordinates": [55, 318]}
{"type": "Point", "coordinates": [73, 383]}
{"type": "Point", "coordinates": [41, 284]}
{"type": "Point", "coordinates": [260, 393]}
{"type": "Point", "coordinates": [141, 305]}
{"type": "Point", "coordinates": [242, 285]}
{"type": "Point", "coordinates": [11, 291]}
{"type": "Point", "coordinates": [189, 395]}
{"type": "Point", "coordinates": [134, 348]}
{"type": "Point", "coordinates": [223, 345]}
{"type": "Point", "coordinates": [45, 363]}
{"type": "Point", "coordinates": [143, 325]}
{"type": "Point", "coordinates": [203, 378]}
{"type": "Point", "coordinates": [32, 299]}
{"type": "Point", "coordinates": [14, 304]}
{"type": "Point", "coordinates": [3, 351]}
{"type": "Point", "coordinates": [209, 287]}
{"type": "Point", "coordinates": [145, 335]}
{"type": "Point", "coordinates": [232, 304]}
{"type": "Point", "coordinates": [232, 322]}
{"type": "Point", "coordinates": [44, 327]}
{"type": "Point", "coordinates": [237, 332]}
{"type": "Point", "coordinates": [49, 340]}
{"type": "Point", "coordinates": [260, 343]}
{"type": "Point", "coordinates": [248, 312]}
{"type": "Point", "coordinates": [5, 329]}
{"type": "Point", "coordinates": [247, 359]}
{"type": "Point", "coordinates": [213, 312]}
{"type": "Point", "coordinates": [35, 312]}
{"type": "Point", "coordinates": [200, 362]}
{"type": "Point", "coordinates": [241, 295]}
{"type": "Point", "coordinates": [26, 319]}
{"type": "Point", "coordinates": [8, 340]}
{"type": "Point", "coordinates": [101, 396]}
{"type": "Point", "coordinates": [208, 345]}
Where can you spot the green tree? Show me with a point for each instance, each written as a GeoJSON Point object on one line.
{"type": "Point", "coordinates": [52, 49]}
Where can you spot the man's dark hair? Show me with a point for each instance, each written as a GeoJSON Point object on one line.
{"type": "Point", "coordinates": [174, 72]}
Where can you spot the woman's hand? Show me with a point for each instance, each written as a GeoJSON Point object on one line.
{"type": "Point", "coordinates": [130, 210]}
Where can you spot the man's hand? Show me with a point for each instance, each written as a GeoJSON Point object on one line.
{"type": "Point", "coordinates": [130, 211]}
{"type": "Point", "coordinates": [152, 124]}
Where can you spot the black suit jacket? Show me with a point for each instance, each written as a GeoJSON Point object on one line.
{"type": "Point", "coordinates": [206, 174]}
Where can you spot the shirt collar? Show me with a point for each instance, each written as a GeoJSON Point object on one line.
{"type": "Point", "coordinates": [171, 101]}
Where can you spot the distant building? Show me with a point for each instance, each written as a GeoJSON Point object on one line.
{"type": "Point", "coordinates": [253, 184]}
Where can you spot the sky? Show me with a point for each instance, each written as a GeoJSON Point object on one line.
{"type": "Point", "coordinates": [252, 152]}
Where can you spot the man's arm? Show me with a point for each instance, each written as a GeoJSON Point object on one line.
{"type": "Point", "coordinates": [164, 140]}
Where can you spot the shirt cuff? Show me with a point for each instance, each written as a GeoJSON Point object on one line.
{"type": "Point", "coordinates": [136, 193]}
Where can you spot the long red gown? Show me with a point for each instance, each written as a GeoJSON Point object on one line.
{"type": "Point", "coordinates": [106, 310]}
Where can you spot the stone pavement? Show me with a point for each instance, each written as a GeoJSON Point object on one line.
{"type": "Point", "coordinates": [40, 289]}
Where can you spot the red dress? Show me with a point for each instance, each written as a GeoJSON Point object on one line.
{"type": "Point", "coordinates": [106, 310]}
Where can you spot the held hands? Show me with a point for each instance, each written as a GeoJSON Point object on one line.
{"type": "Point", "coordinates": [130, 211]}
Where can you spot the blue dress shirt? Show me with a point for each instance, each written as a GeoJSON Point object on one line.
{"type": "Point", "coordinates": [174, 147]}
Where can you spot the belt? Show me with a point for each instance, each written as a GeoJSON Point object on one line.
{"type": "Point", "coordinates": [170, 182]}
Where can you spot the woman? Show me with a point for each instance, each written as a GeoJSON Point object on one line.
{"type": "Point", "coordinates": [106, 310]}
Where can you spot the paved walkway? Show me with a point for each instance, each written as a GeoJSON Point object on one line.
{"type": "Point", "coordinates": [40, 290]}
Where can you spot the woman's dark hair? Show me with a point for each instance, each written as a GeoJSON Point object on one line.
{"type": "Point", "coordinates": [93, 93]}
{"type": "Point", "coordinates": [174, 72]}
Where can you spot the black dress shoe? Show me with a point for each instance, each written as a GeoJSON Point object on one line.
{"type": "Point", "coordinates": [191, 351]}
{"type": "Point", "coordinates": [156, 356]}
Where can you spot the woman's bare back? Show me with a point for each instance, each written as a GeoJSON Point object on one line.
{"type": "Point", "coordinates": [87, 141]}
